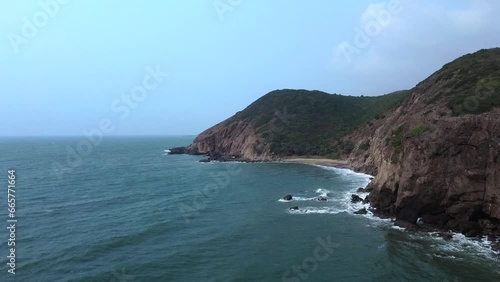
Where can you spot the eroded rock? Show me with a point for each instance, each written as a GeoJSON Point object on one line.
{"type": "Point", "coordinates": [361, 211]}
{"type": "Point", "coordinates": [356, 199]}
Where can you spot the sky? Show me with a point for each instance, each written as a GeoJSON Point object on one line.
{"type": "Point", "coordinates": [70, 67]}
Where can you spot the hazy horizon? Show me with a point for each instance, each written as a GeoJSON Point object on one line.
{"type": "Point", "coordinates": [177, 68]}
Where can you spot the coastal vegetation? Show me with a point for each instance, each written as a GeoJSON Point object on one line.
{"type": "Point", "coordinates": [301, 122]}
{"type": "Point", "coordinates": [472, 82]}
{"type": "Point", "coordinates": [418, 130]}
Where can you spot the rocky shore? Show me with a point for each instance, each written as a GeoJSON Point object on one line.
{"type": "Point", "coordinates": [435, 158]}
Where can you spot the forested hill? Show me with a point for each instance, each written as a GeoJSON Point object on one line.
{"type": "Point", "coordinates": [295, 122]}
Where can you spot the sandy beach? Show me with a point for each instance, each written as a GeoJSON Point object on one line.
{"type": "Point", "coordinates": [323, 162]}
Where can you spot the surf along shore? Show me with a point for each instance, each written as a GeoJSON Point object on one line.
{"type": "Point", "coordinates": [319, 161]}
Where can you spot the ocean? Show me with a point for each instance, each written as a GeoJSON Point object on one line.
{"type": "Point", "coordinates": [123, 210]}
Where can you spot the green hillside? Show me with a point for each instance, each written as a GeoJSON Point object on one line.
{"type": "Point", "coordinates": [301, 122]}
{"type": "Point", "coordinates": [471, 83]}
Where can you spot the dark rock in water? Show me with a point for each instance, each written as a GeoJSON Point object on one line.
{"type": "Point", "coordinates": [361, 211]}
{"type": "Point", "coordinates": [360, 190]}
{"type": "Point", "coordinates": [322, 199]}
{"type": "Point", "coordinates": [356, 199]}
{"type": "Point", "coordinates": [183, 150]}
{"type": "Point", "coordinates": [177, 150]}
{"type": "Point", "coordinates": [294, 208]}
{"type": "Point", "coordinates": [288, 198]}
{"type": "Point", "coordinates": [371, 178]}
{"type": "Point", "coordinates": [366, 200]}
{"type": "Point", "coordinates": [446, 236]}
{"type": "Point", "coordinates": [204, 160]}
{"type": "Point", "coordinates": [496, 246]}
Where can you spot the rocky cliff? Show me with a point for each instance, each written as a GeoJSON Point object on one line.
{"type": "Point", "coordinates": [434, 150]}
{"type": "Point", "coordinates": [234, 139]}
{"type": "Point", "coordinates": [437, 156]}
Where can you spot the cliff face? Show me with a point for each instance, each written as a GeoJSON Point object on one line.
{"type": "Point", "coordinates": [232, 138]}
{"type": "Point", "coordinates": [437, 157]}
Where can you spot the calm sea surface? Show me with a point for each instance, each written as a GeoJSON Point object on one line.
{"type": "Point", "coordinates": [125, 211]}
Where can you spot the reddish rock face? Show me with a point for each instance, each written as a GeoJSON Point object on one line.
{"type": "Point", "coordinates": [436, 164]}
{"type": "Point", "coordinates": [234, 139]}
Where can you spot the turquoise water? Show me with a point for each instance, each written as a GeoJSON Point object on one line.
{"type": "Point", "coordinates": [127, 212]}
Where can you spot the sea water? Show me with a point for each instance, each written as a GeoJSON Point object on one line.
{"type": "Point", "coordinates": [123, 210]}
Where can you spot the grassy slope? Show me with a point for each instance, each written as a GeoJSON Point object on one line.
{"type": "Point", "coordinates": [472, 83]}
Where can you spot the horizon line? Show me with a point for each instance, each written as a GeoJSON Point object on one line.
{"type": "Point", "coordinates": [124, 135]}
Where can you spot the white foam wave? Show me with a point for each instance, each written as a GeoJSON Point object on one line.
{"type": "Point", "coordinates": [303, 199]}
{"type": "Point", "coordinates": [323, 192]}
{"type": "Point", "coordinates": [345, 171]}
{"type": "Point", "coordinates": [317, 210]}
{"type": "Point", "coordinates": [298, 199]}
{"type": "Point", "coordinates": [460, 243]}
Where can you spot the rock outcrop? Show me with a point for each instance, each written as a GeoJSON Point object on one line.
{"type": "Point", "coordinates": [361, 211]}
{"type": "Point", "coordinates": [356, 199]}
{"type": "Point", "coordinates": [232, 140]}
{"type": "Point", "coordinates": [437, 160]}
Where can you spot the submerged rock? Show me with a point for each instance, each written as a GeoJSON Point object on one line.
{"type": "Point", "coordinates": [356, 199]}
{"type": "Point", "coordinates": [294, 208]}
{"type": "Point", "coordinates": [446, 236]}
{"type": "Point", "coordinates": [496, 246]}
{"type": "Point", "coordinates": [288, 197]}
{"type": "Point", "coordinates": [322, 199]}
{"type": "Point", "coordinates": [361, 211]}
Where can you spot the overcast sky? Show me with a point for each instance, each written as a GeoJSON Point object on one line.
{"type": "Point", "coordinates": [71, 66]}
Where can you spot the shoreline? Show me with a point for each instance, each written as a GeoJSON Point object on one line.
{"type": "Point", "coordinates": [373, 214]}
{"type": "Point", "coordinates": [321, 162]}
{"type": "Point", "coordinates": [443, 233]}
{"type": "Point", "coordinates": [483, 243]}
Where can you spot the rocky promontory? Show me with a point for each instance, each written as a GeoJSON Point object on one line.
{"type": "Point", "coordinates": [434, 150]}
